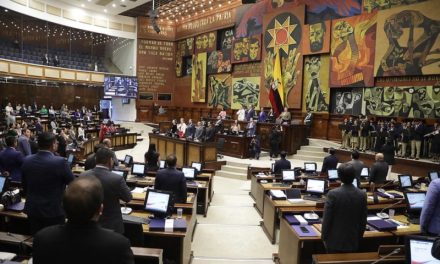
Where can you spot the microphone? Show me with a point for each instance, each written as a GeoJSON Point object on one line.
{"type": "Point", "coordinates": [394, 252]}
{"type": "Point", "coordinates": [383, 215]}
{"type": "Point", "coordinates": [381, 189]}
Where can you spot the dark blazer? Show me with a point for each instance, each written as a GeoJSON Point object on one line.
{"type": "Point", "coordinates": [280, 165]}
{"type": "Point", "coordinates": [210, 134]}
{"type": "Point", "coordinates": [24, 145]}
{"type": "Point", "coordinates": [388, 153]}
{"type": "Point", "coordinates": [115, 189]}
{"type": "Point", "coordinates": [379, 172]}
{"type": "Point", "coordinates": [358, 165]}
{"type": "Point", "coordinates": [11, 161]}
{"type": "Point", "coordinates": [345, 217]}
{"type": "Point", "coordinates": [44, 178]}
{"type": "Point", "coordinates": [85, 244]}
{"type": "Point", "coordinates": [330, 163]}
{"type": "Point", "coordinates": [151, 160]}
{"type": "Point", "coordinates": [172, 180]}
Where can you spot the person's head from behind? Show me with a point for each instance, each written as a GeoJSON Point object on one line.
{"type": "Point", "coordinates": [97, 147]}
{"type": "Point", "coordinates": [11, 142]}
{"type": "Point", "coordinates": [355, 154]}
{"type": "Point", "coordinates": [152, 148]}
{"type": "Point", "coordinates": [171, 161]}
{"type": "Point", "coordinates": [104, 157]}
{"type": "Point", "coordinates": [331, 151]}
{"type": "Point", "coordinates": [379, 157]}
{"type": "Point", "coordinates": [283, 154]}
{"type": "Point", "coordinates": [346, 173]}
{"type": "Point", "coordinates": [47, 141]}
{"type": "Point", "coordinates": [107, 143]}
{"type": "Point", "coordinates": [83, 200]}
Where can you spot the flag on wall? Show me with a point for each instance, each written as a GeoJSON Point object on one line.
{"type": "Point", "coordinates": [276, 93]}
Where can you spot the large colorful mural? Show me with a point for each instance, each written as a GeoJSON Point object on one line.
{"type": "Point", "coordinates": [220, 91]}
{"type": "Point", "coordinates": [246, 49]}
{"type": "Point", "coordinates": [320, 10]}
{"type": "Point", "coordinates": [409, 40]}
{"type": "Point", "coordinates": [346, 101]}
{"type": "Point", "coordinates": [316, 92]}
{"type": "Point", "coordinates": [245, 92]}
{"type": "Point", "coordinates": [372, 5]}
{"type": "Point", "coordinates": [352, 51]}
{"type": "Point", "coordinates": [219, 61]}
{"type": "Point", "coordinates": [316, 38]}
{"type": "Point", "coordinates": [198, 80]}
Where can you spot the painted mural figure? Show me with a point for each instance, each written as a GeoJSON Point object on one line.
{"type": "Point", "coordinates": [317, 32]}
{"type": "Point", "coordinates": [315, 99]}
{"type": "Point", "coordinates": [220, 92]}
{"type": "Point", "coordinates": [410, 59]}
{"type": "Point", "coordinates": [246, 93]}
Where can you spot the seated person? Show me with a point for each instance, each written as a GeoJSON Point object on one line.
{"type": "Point", "coordinates": [43, 110]}
{"type": "Point", "coordinates": [282, 164]}
{"type": "Point", "coordinates": [170, 179]}
{"type": "Point", "coordinates": [152, 158]}
{"type": "Point", "coordinates": [235, 127]}
{"type": "Point", "coordinates": [285, 116]}
{"type": "Point", "coordinates": [81, 239]}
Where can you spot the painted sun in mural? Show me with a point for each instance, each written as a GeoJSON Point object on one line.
{"type": "Point", "coordinates": [283, 33]}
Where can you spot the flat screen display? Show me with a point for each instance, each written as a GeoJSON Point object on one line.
{"type": "Point", "coordinates": [288, 175]}
{"type": "Point", "coordinates": [138, 169]}
{"type": "Point", "coordinates": [128, 159]}
{"type": "Point", "coordinates": [415, 200]}
{"type": "Point", "coordinates": [189, 173]}
{"type": "Point", "coordinates": [421, 251]}
{"type": "Point", "coordinates": [2, 183]}
{"type": "Point", "coordinates": [315, 186]}
{"type": "Point", "coordinates": [433, 175]}
{"type": "Point", "coordinates": [197, 166]}
{"type": "Point", "coordinates": [162, 164]}
{"type": "Point", "coordinates": [70, 158]}
{"type": "Point", "coordinates": [121, 86]}
{"type": "Point", "coordinates": [333, 174]}
{"type": "Point", "coordinates": [364, 172]}
{"type": "Point", "coordinates": [310, 167]}
{"type": "Point", "coordinates": [405, 181]}
{"type": "Point", "coordinates": [157, 202]}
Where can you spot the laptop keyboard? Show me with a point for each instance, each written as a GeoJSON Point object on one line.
{"type": "Point", "coordinates": [135, 219]}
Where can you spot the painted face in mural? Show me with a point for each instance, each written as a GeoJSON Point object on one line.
{"type": "Point", "coordinates": [254, 47]}
{"type": "Point", "coordinates": [342, 30]}
{"type": "Point", "coordinates": [199, 42]}
{"type": "Point", "coordinates": [205, 41]}
{"type": "Point", "coordinates": [211, 40]}
{"type": "Point", "coordinates": [313, 67]}
{"type": "Point", "coordinates": [317, 32]}
{"type": "Point", "coordinates": [238, 47]}
{"type": "Point", "coordinates": [245, 49]}
{"type": "Point", "coordinates": [190, 43]}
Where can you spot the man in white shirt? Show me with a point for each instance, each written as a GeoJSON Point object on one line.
{"type": "Point", "coordinates": [241, 114]}
{"type": "Point", "coordinates": [10, 118]}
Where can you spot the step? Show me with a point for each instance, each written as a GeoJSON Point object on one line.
{"type": "Point", "coordinates": [323, 143]}
{"type": "Point", "coordinates": [232, 175]}
{"type": "Point", "coordinates": [241, 169]}
{"type": "Point", "coordinates": [308, 158]}
{"type": "Point", "coordinates": [237, 164]}
{"type": "Point", "coordinates": [312, 148]}
{"type": "Point", "coordinates": [311, 153]}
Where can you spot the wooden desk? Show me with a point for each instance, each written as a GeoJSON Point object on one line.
{"type": "Point", "coordinates": [294, 249]}
{"type": "Point", "coordinates": [186, 151]}
{"type": "Point", "coordinates": [235, 146]}
{"type": "Point", "coordinates": [355, 258]}
{"type": "Point", "coordinates": [255, 180]}
{"type": "Point", "coordinates": [261, 190]}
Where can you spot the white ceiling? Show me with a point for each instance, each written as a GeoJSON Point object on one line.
{"type": "Point", "coordinates": [113, 7]}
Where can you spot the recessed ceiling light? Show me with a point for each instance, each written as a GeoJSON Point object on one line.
{"type": "Point", "coordinates": [83, 5]}
{"type": "Point", "coordinates": [89, 0]}
{"type": "Point", "coordinates": [122, 0]}
{"type": "Point", "coordinates": [113, 5]}
{"type": "Point", "coordinates": [6, 10]}
{"type": "Point", "coordinates": [105, 10]}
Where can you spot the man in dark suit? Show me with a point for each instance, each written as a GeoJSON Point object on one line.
{"type": "Point", "coordinates": [90, 162]}
{"type": "Point", "coordinates": [23, 143]}
{"type": "Point", "coordinates": [281, 164]}
{"type": "Point", "coordinates": [44, 178]}
{"type": "Point", "coordinates": [345, 214]}
{"type": "Point", "coordinates": [11, 160]}
{"type": "Point", "coordinates": [210, 133]}
{"type": "Point", "coordinates": [81, 239]}
{"type": "Point", "coordinates": [357, 164]}
{"type": "Point", "coordinates": [170, 179]}
{"type": "Point", "coordinates": [115, 189]}
{"type": "Point", "coordinates": [330, 162]}
{"type": "Point", "coordinates": [250, 113]}
{"type": "Point", "coordinates": [379, 170]}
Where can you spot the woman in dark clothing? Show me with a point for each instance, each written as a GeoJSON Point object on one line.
{"type": "Point", "coordinates": [388, 151]}
{"type": "Point", "coordinates": [62, 142]}
{"type": "Point", "coordinates": [275, 140]}
{"type": "Point", "coordinates": [152, 158]}
{"type": "Point", "coordinates": [381, 133]}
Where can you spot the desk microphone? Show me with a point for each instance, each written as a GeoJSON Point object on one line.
{"type": "Point", "coordinates": [394, 252]}
{"type": "Point", "coordinates": [381, 189]}
{"type": "Point", "coordinates": [383, 215]}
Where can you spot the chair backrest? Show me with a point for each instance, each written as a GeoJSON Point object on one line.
{"type": "Point", "coordinates": [220, 143]}
{"type": "Point", "coordinates": [134, 232]}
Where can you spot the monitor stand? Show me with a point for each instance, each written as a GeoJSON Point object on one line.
{"type": "Point", "coordinates": [413, 218]}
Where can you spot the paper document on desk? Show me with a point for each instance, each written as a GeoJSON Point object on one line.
{"type": "Point", "coordinates": [278, 194]}
{"type": "Point", "coordinates": [296, 200]}
{"type": "Point", "coordinates": [137, 190]}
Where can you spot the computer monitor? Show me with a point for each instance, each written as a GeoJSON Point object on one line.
{"type": "Point", "coordinates": [197, 166]}
{"type": "Point", "coordinates": [315, 187]}
{"type": "Point", "coordinates": [70, 159]}
{"type": "Point", "coordinates": [190, 173]}
{"type": "Point", "coordinates": [128, 160]}
{"type": "Point", "coordinates": [288, 175]}
{"type": "Point", "coordinates": [121, 173]}
{"type": "Point", "coordinates": [355, 182]}
{"type": "Point", "coordinates": [2, 183]}
{"type": "Point", "coordinates": [433, 175]}
{"type": "Point", "coordinates": [138, 170]}
{"type": "Point", "coordinates": [333, 175]}
{"type": "Point", "coordinates": [418, 249]}
{"type": "Point", "coordinates": [415, 201]}
{"type": "Point", "coordinates": [162, 164]}
{"type": "Point", "coordinates": [405, 181]}
{"type": "Point", "coordinates": [160, 203]}
{"type": "Point", "coordinates": [309, 167]}
{"type": "Point", "coordinates": [365, 172]}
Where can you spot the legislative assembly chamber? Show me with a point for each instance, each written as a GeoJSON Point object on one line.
{"type": "Point", "coordinates": [219, 131]}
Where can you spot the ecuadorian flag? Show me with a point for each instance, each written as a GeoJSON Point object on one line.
{"type": "Point", "coordinates": [276, 94]}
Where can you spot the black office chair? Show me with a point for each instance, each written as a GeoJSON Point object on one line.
{"type": "Point", "coordinates": [220, 146]}
{"type": "Point", "coordinates": [134, 232]}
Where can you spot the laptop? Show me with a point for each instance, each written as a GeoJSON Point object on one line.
{"type": "Point", "coordinates": [121, 173]}
{"type": "Point", "coordinates": [310, 168]}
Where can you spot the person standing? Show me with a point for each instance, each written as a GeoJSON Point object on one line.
{"type": "Point", "coordinates": [308, 122]}
{"type": "Point", "coordinates": [403, 140]}
{"type": "Point", "coordinates": [275, 141]}
{"type": "Point", "coordinates": [330, 162]}
{"type": "Point", "coordinates": [340, 233]}
{"type": "Point", "coordinates": [172, 180]}
{"type": "Point", "coordinates": [152, 158]}
{"type": "Point", "coordinates": [430, 216]}
{"type": "Point", "coordinates": [281, 164]}
{"type": "Point", "coordinates": [357, 164]}
{"type": "Point", "coordinates": [241, 114]}
{"type": "Point", "coordinates": [81, 239]}
{"type": "Point", "coordinates": [388, 151]}
{"type": "Point", "coordinates": [44, 178]}
{"type": "Point", "coordinates": [11, 160]}
{"type": "Point", "coordinates": [23, 143]}
{"type": "Point", "coordinates": [379, 170]}
{"type": "Point", "coordinates": [115, 189]}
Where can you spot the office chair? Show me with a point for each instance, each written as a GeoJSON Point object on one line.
{"type": "Point", "coordinates": [220, 146]}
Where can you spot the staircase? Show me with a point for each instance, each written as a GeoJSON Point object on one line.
{"type": "Point", "coordinates": [233, 170]}
{"type": "Point", "coordinates": [314, 151]}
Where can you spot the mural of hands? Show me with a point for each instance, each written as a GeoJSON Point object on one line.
{"type": "Point", "coordinates": [291, 73]}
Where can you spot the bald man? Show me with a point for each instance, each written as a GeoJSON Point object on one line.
{"type": "Point", "coordinates": [379, 170]}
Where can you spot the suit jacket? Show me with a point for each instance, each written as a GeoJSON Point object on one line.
{"type": "Point", "coordinates": [44, 178]}
{"type": "Point", "coordinates": [90, 162]}
{"type": "Point", "coordinates": [280, 165]}
{"type": "Point", "coordinates": [250, 114]}
{"type": "Point", "coordinates": [379, 172]}
{"type": "Point", "coordinates": [11, 161]}
{"type": "Point", "coordinates": [172, 180]}
{"type": "Point", "coordinates": [199, 133]}
{"type": "Point", "coordinates": [330, 163]}
{"type": "Point", "coordinates": [358, 165]}
{"type": "Point", "coordinates": [86, 244]}
{"type": "Point", "coordinates": [430, 216]}
{"type": "Point", "coordinates": [345, 217]}
{"type": "Point", "coordinates": [115, 189]}
{"type": "Point", "coordinates": [24, 146]}
{"type": "Point", "coordinates": [210, 134]}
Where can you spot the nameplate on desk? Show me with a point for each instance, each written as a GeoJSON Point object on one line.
{"type": "Point", "coordinates": [168, 225]}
